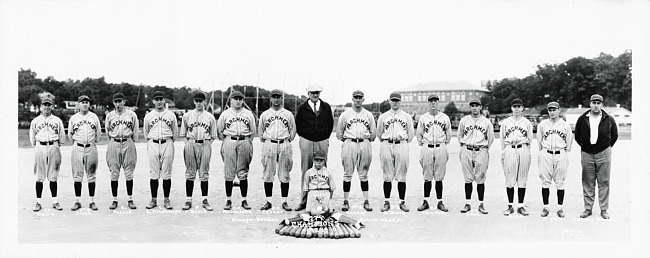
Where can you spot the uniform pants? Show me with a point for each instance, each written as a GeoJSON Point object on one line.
{"type": "Point", "coordinates": [47, 162]}
{"type": "Point", "coordinates": [307, 149]}
{"type": "Point", "coordinates": [595, 169]}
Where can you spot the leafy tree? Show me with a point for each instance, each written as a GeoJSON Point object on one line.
{"type": "Point", "coordinates": [451, 109]}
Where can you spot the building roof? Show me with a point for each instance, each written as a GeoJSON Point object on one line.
{"type": "Point", "coordinates": [443, 86]}
{"type": "Point", "coordinates": [609, 110]}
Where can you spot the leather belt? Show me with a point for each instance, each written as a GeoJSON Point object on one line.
{"type": "Point", "coordinates": [473, 148]}
{"type": "Point", "coordinates": [320, 189]}
{"type": "Point", "coordinates": [237, 138]}
{"type": "Point", "coordinates": [355, 140]}
{"type": "Point", "coordinates": [517, 146]}
{"type": "Point", "coordinates": [48, 143]}
{"type": "Point", "coordinates": [83, 145]}
{"type": "Point", "coordinates": [159, 141]}
{"type": "Point", "coordinates": [278, 141]}
{"type": "Point", "coordinates": [120, 140]}
{"type": "Point", "coordinates": [553, 152]}
{"type": "Point", "coordinates": [394, 142]}
{"type": "Point", "coordinates": [434, 145]}
{"type": "Point", "coordinates": [199, 141]}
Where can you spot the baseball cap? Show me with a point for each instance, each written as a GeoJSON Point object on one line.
{"type": "Point", "coordinates": [83, 98]}
{"type": "Point", "coordinates": [46, 100]}
{"type": "Point", "coordinates": [357, 93]}
{"type": "Point", "coordinates": [320, 154]}
{"type": "Point", "coordinates": [117, 96]}
{"type": "Point", "coordinates": [276, 92]}
{"type": "Point", "coordinates": [314, 88]}
{"type": "Point", "coordinates": [475, 101]}
{"type": "Point", "coordinates": [596, 97]}
{"type": "Point", "coordinates": [158, 94]}
{"type": "Point", "coordinates": [433, 96]}
{"type": "Point", "coordinates": [236, 94]}
{"type": "Point", "coordinates": [395, 96]}
{"type": "Point", "coordinates": [199, 95]}
{"type": "Point", "coordinates": [553, 104]}
{"type": "Point", "coordinates": [517, 102]}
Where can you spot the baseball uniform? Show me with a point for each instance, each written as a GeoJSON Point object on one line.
{"type": "Point", "coordinates": [200, 129]}
{"type": "Point", "coordinates": [475, 136]}
{"type": "Point", "coordinates": [160, 129]}
{"type": "Point", "coordinates": [84, 130]}
{"type": "Point", "coordinates": [433, 135]}
{"type": "Point", "coordinates": [236, 128]}
{"type": "Point", "coordinates": [121, 129]}
{"type": "Point", "coordinates": [45, 134]}
{"type": "Point", "coordinates": [320, 185]}
{"type": "Point", "coordinates": [356, 130]}
{"type": "Point", "coordinates": [554, 139]}
{"type": "Point", "coordinates": [277, 130]}
{"type": "Point", "coordinates": [516, 136]}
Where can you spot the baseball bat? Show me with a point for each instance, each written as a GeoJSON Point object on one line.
{"type": "Point", "coordinates": [357, 234]}
{"type": "Point", "coordinates": [277, 230]}
{"type": "Point", "coordinates": [303, 233]}
{"type": "Point", "coordinates": [299, 232]}
{"type": "Point", "coordinates": [309, 232]}
{"type": "Point", "coordinates": [284, 229]}
{"type": "Point", "coordinates": [321, 233]}
{"type": "Point", "coordinates": [294, 230]}
{"type": "Point", "coordinates": [337, 231]}
{"type": "Point", "coordinates": [344, 233]}
{"type": "Point", "coordinates": [288, 231]}
{"type": "Point", "coordinates": [344, 226]}
{"type": "Point", "coordinates": [326, 232]}
{"type": "Point", "coordinates": [352, 230]}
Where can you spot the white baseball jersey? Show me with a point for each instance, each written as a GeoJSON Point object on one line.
{"type": "Point", "coordinates": [356, 125]}
{"type": "Point", "coordinates": [46, 129]}
{"type": "Point", "coordinates": [84, 129]}
{"type": "Point", "coordinates": [393, 125]}
{"type": "Point", "coordinates": [515, 159]}
{"type": "Point", "coordinates": [160, 125]}
{"type": "Point", "coordinates": [233, 123]}
{"type": "Point", "coordinates": [433, 129]}
{"type": "Point", "coordinates": [47, 158]}
{"type": "Point", "coordinates": [475, 131]}
{"type": "Point", "coordinates": [554, 136]}
{"type": "Point", "coordinates": [277, 125]}
{"type": "Point", "coordinates": [515, 132]}
{"type": "Point", "coordinates": [123, 125]}
{"type": "Point", "coordinates": [198, 125]}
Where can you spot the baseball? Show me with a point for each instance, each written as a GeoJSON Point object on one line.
{"type": "Point", "coordinates": [319, 208]}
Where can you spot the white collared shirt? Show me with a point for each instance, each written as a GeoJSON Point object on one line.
{"type": "Point", "coordinates": [314, 106]}
{"type": "Point", "coordinates": [594, 121]}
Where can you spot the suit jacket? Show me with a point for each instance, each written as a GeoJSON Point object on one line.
{"type": "Point", "coordinates": [607, 133]}
{"type": "Point", "coordinates": [314, 127]}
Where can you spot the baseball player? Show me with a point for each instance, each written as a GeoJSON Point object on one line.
{"type": "Point", "coordinates": [236, 128]}
{"type": "Point", "coordinates": [199, 129]}
{"type": "Point", "coordinates": [46, 133]}
{"type": "Point", "coordinates": [160, 129]}
{"type": "Point", "coordinates": [395, 131]}
{"type": "Point", "coordinates": [122, 127]}
{"type": "Point", "coordinates": [554, 138]}
{"type": "Point", "coordinates": [84, 130]}
{"type": "Point", "coordinates": [516, 135]}
{"type": "Point", "coordinates": [277, 130]}
{"type": "Point", "coordinates": [475, 135]}
{"type": "Point", "coordinates": [356, 129]}
{"type": "Point", "coordinates": [433, 135]}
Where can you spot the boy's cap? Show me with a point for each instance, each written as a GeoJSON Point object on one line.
{"type": "Point", "coordinates": [320, 154]}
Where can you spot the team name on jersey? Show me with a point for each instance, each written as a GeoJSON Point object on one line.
{"type": "Point", "coordinates": [391, 121]}
{"type": "Point", "coordinates": [320, 176]}
{"type": "Point", "coordinates": [521, 130]}
{"type": "Point", "coordinates": [237, 119]}
{"type": "Point", "coordinates": [271, 119]}
{"type": "Point", "coordinates": [160, 119]}
{"type": "Point", "coordinates": [475, 128]}
{"type": "Point", "coordinates": [127, 123]}
{"type": "Point", "coordinates": [428, 126]}
{"type": "Point", "coordinates": [54, 128]}
{"type": "Point", "coordinates": [555, 131]}
{"type": "Point", "coordinates": [350, 122]}
{"type": "Point", "coordinates": [81, 123]}
{"type": "Point", "coordinates": [205, 126]}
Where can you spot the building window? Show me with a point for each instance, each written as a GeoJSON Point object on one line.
{"type": "Point", "coordinates": [463, 97]}
{"type": "Point", "coordinates": [627, 115]}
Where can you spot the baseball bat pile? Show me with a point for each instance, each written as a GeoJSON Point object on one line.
{"type": "Point", "coordinates": [332, 230]}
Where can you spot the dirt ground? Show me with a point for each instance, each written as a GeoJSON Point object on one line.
{"type": "Point", "coordinates": [158, 226]}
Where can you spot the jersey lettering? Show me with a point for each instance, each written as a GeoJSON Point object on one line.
{"type": "Point", "coordinates": [271, 119]}
{"type": "Point", "coordinates": [76, 126]}
{"type": "Point", "coordinates": [521, 130]}
{"type": "Point", "coordinates": [559, 133]}
{"type": "Point", "coordinates": [394, 120]}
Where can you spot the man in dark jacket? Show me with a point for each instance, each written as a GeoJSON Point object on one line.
{"type": "Point", "coordinates": [314, 124]}
{"type": "Point", "coordinates": [596, 132]}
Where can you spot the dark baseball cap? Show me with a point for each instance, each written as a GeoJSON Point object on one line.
{"type": "Point", "coordinates": [553, 104]}
{"type": "Point", "coordinates": [83, 98]}
{"type": "Point", "coordinates": [46, 100]}
{"type": "Point", "coordinates": [433, 96]}
{"type": "Point", "coordinates": [357, 93]}
{"type": "Point", "coordinates": [199, 95]}
{"type": "Point", "coordinates": [475, 101]}
{"type": "Point", "coordinates": [320, 154]}
{"type": "Point", "coordinates": [517, 102]}
{"type": "Point", "coordinates": [596, 97]}
{"type": "Point", "coordinates": [158, 94]}
{"type": "Point", "coordinates": [236, 94]}
{"type": "Point", "coordinates": [117, 96]}
{"type": "Point", "coordinates": [395, 96]}
{"type": "Point", "coordinates": [276, 92]}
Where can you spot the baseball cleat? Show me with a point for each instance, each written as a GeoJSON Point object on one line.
{"type": "Point", "coordinates": [585, 214]}
{"type": "Point", "coordinates": [424, 206]}
{"type": "Point", "coordinates": [188, 205]}
{"type": "Point", "coordinates": [509, 211]}
{"type": "Point", "coordinates": [206, 205]}
{"type": "Point", "coordinates": [168, 204]}
{"type": "Point", "coordinates": [286, 207]}
{"type": "Point", "coordinates": [266, 206]}
{"type": "Point", "coordinates": [366, 205]}
{"type": "Point", "coordinates": [57, 207]}
{"type": "Point", "coordinates": [442, 207]}
{"type": "Point", "coordinates": [386, 206]}
{"type": "Point", "coordinates": [93, 206]}
{"type": "Point", "coordinates": [604, 214]}
{"type": "Point", "coordinates": [152, 204]}
{"type": "Point", "coordinates": [481, 209]}
{"type": "Point", "coordinates": [466, 208]}
{"type": "Point", "coordinates": [113, 205]}
{"type": "Point", "coordinates": [300, 207]}
{"type": "Point", "coordinates": [244, 204]}
{"type": "Point", "coordinates": [76, 206]}
{"type": "Point", "coordinates": [522, 211]}
{"type": "Point", "coordinates": [37, 207]}
{"type": "Point", "coordinates": [132, 205]}
{"type": "Point", "coordinates": [545, 212]}
{"type": "Point", "coordinates": [228, 205]}
{"type": "Point", "coordinates": [560, 213]}
{"type": "Point", "coordinates": [402, 206]}
{"type": "Point", "coordinates": [346, 205]}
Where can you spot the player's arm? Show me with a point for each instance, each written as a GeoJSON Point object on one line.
{"type": "Point", "coordinates": [373, 127]}
{"type": "Point", "coordinates": [32, 134]}
{"type": "Point", "coordinates": [183, 131]}
{"type": "Point", "coordinates": [529, 133]}
{"type": "Point", "coordinates": [461, 128]}
{"type": "Point", "coordinates": [253, 126]}
{"type": "Point", "coordinates": [380, 127]}
{"type": "Point", "coordinates": [61, 132]}
{"type": "Point", "coordinates": [145, 127]}
{"type": "Point", "coordinates": [340, 128]}
{"type": "Point", "coordinates": [410, 131]}
{"type": "Point", "coordinates": [221, 126]}
{"type": "Point", "coordinates": [292, 128]}
{"type": "Point", "coordinates": [502, 135]}
{"type": "Point", "coordinates": [490, 133]}
{"type": "Point", "coordinates": [420, 131]}
{"type": "Point", "coordinates": [213, 129]}
{"type": "Point", "coordinates": [106, 123]}
{"type": "Point", "coordinates": [136, 127]}
{"type": "Point", "coordinates": [447, 130]}
{"type": "Point", "coordinates": [174, 126]}
{"type": "Point", "coordinates": [332, 185]}
{"type": "Point", "coordinates": [305, 181]}
{"type": "Point", "coordinates": [540, 128]}
{"type": "Point", "coordinates": [261, 127]}
{"type": "Point", "coordinates": [98, 125]}
{"type": "Point", "coordinates": [70, 133]}
{"type": "Point", "coordinates": [569, 137]}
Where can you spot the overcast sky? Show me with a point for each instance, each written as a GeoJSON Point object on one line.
{"type": "Point", "coordinates": [376, 46]}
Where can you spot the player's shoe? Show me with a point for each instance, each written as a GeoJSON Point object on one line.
{"type": "Point", "coordinates": [286, 207]}
{"type": "Point", "coordinates": [560, 213]}
{"type": "Point", "coordinates": [244, 204]}
{"type": "Point", "coordinates": [545, 212]}
{"type": "Point", "coordinates": [168, 204]}
{"type": "Point", "coordinates": [302, 206]}
{"type": "Point", "coordinates": [481, 209]}
{"type": "Point", "coordinates": [604, 214]}
{"type": "Point", "coordinates": [442, 207]}
{"type": "Point", "coordinates": [57, 207]}
{"type": "Point", "coordinates": [366, 205]}
{"type": "Point", "coordinates": [585, 214]}
{"type": "Point", "coordinates": [206, 205]}
{"type": "Point", "coordinates": [466, 208]}
{"type": "Point", "coordinates": [346, 205]}
{"type": "Point", "coordinates": [131, 205]}
{"type": "Point", "coordinates": [152, 204]}
{"type": "Point", "coordinates": [402, 206]}
{"type": "Point", "coordinates": [508, 211]}
{"type": "Point", "coordinates": [386, 206]}
{"type": "Point", "coordinates": [424, 206]}
{"type": "Point", "coordinates": [93, 206]}
{"type": "Point", "coordinates": [37, 207]}
{"type": "Point", "coordinates": [188, 205]}
{"type": "Point", "coordinates": [76, 206]}
{"type": "Point", "coordinates": [113, 205]}
{"type": "Point", "coordinates": [228, 205]}
{"type": "Point", "coordinates": [522, 211]}
{"type": "Point", "coordinates": [266, 206]}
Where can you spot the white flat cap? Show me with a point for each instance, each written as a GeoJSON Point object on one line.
{"type": "Point", "coordinates": [312, 88]}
